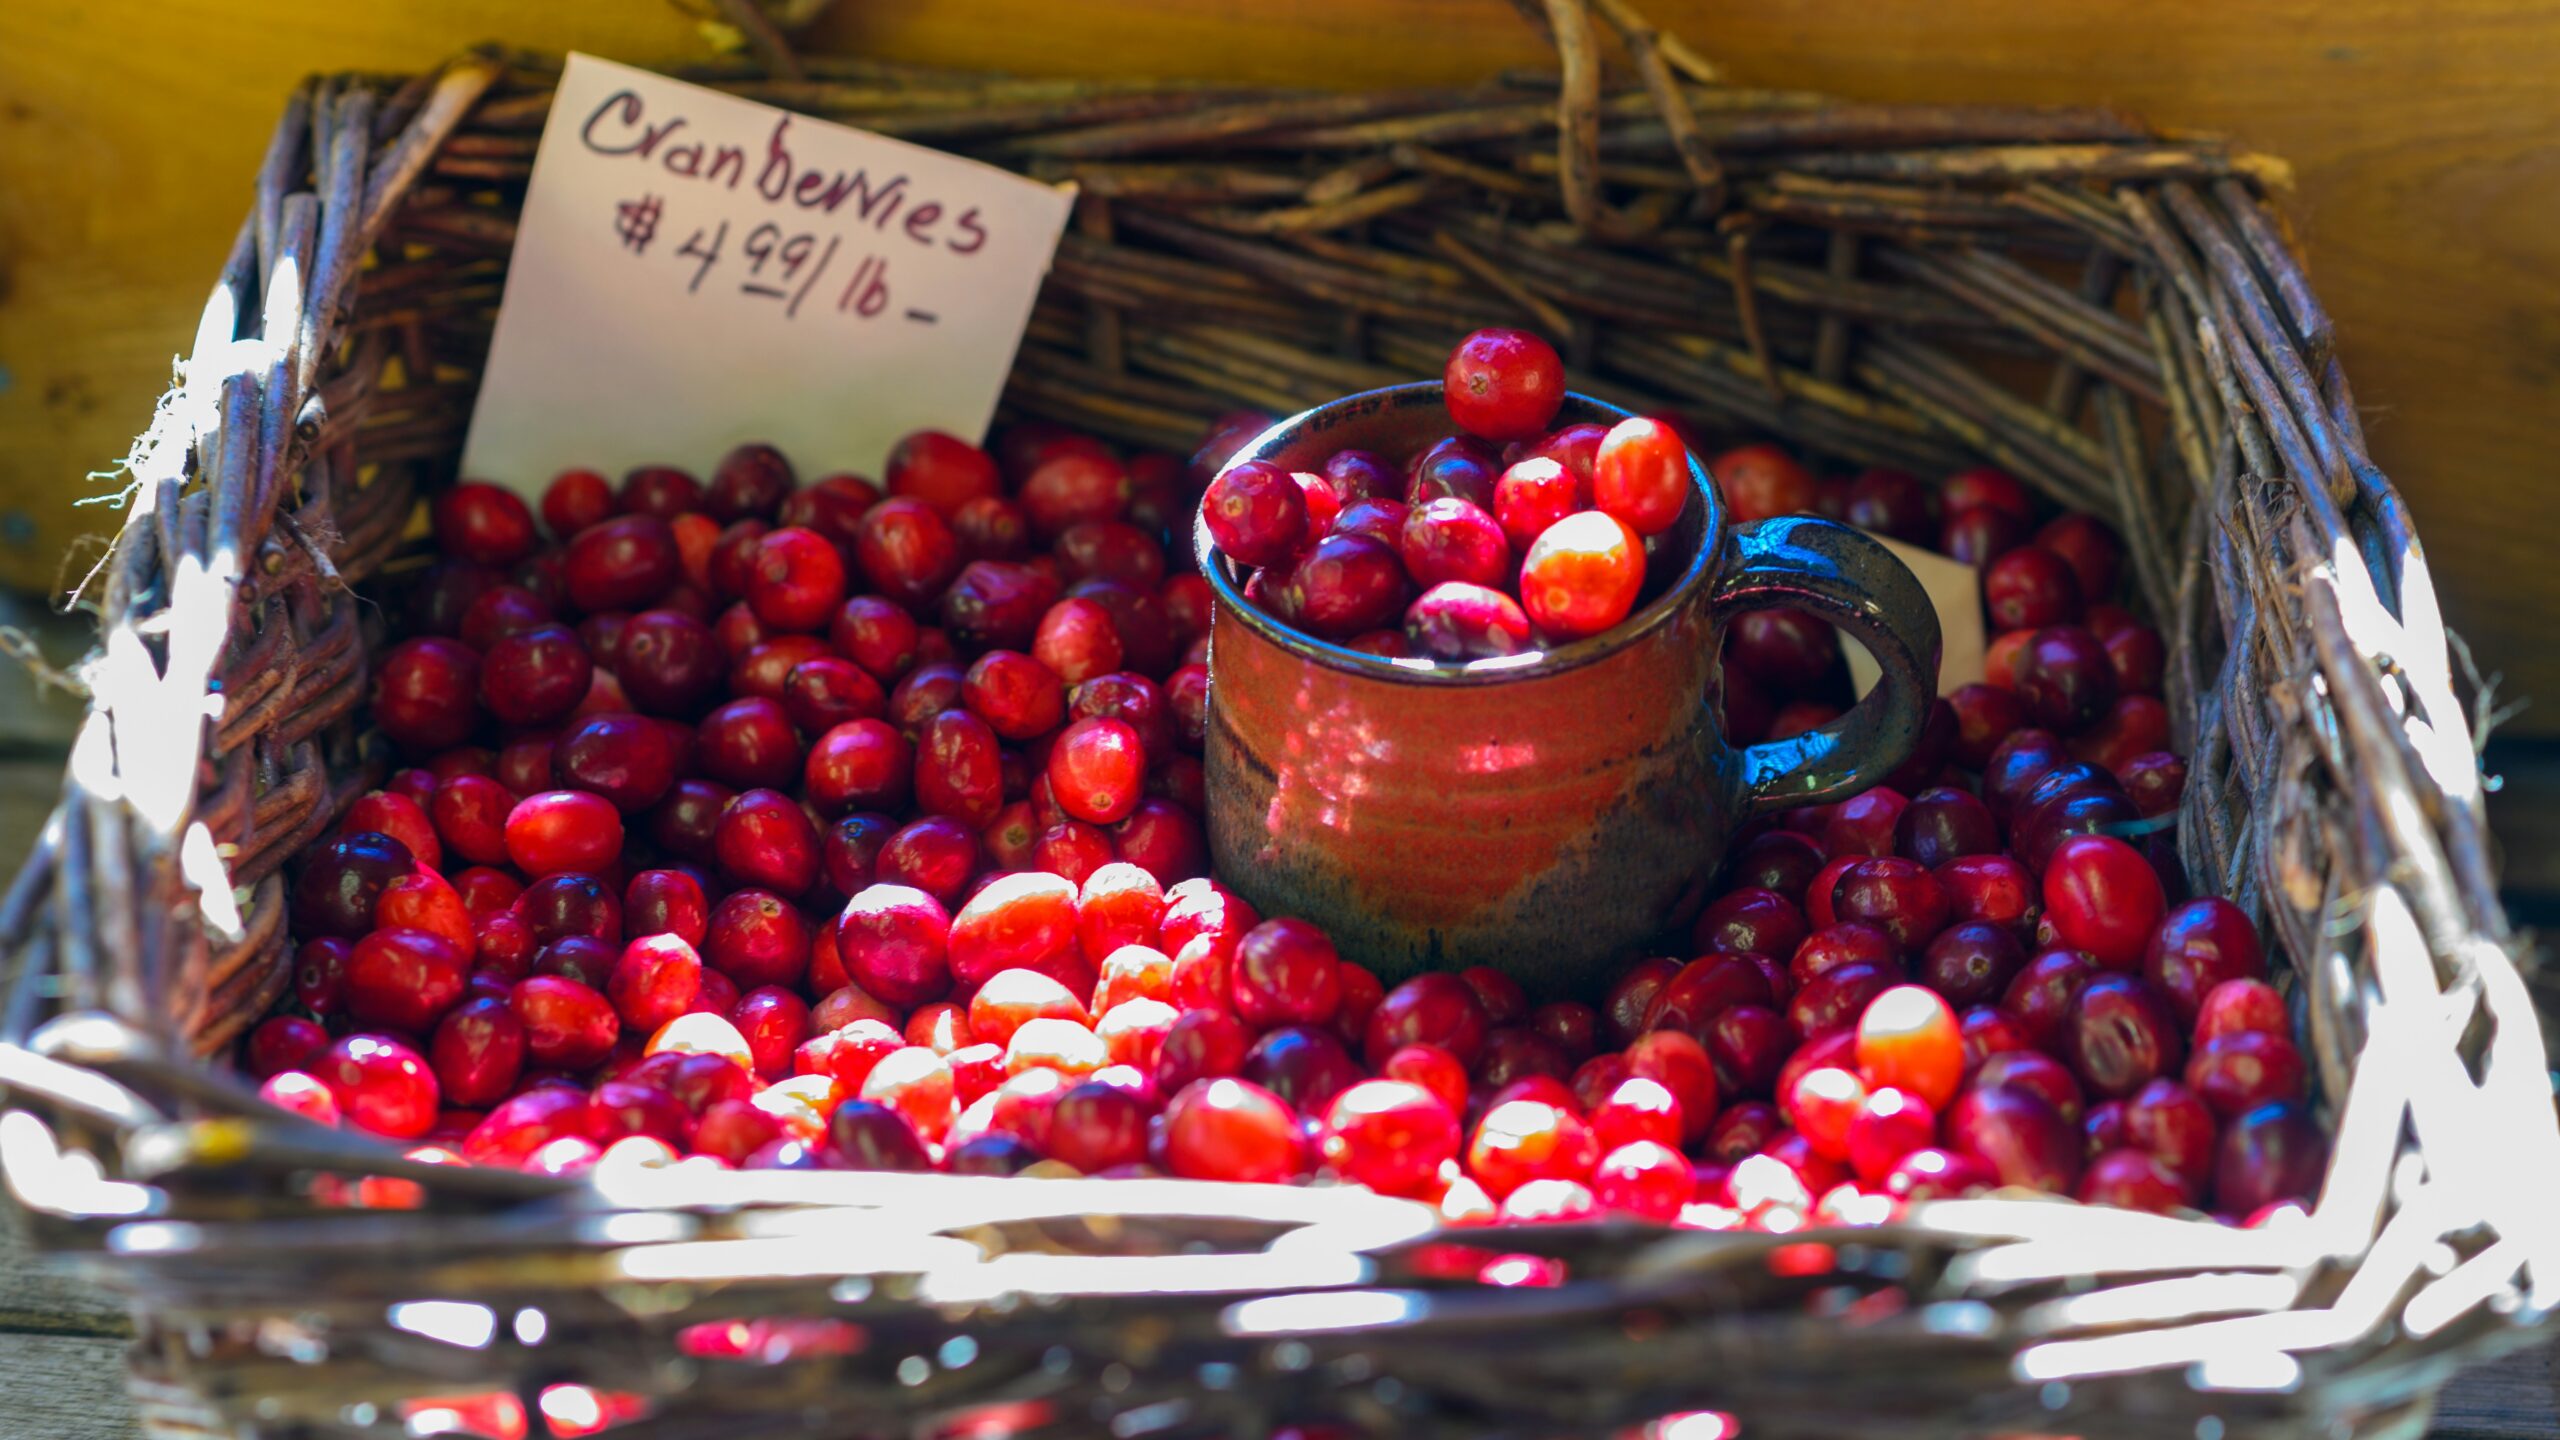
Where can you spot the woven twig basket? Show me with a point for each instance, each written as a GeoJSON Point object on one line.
{"type": "Point", "coordinates": [1877, 283]}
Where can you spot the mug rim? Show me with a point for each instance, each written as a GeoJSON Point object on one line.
{"type": "Point", "coordinates": [1423, 670]}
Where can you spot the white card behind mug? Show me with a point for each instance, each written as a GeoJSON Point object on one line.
{"type": "Point", "coordinates": [1955, 590]}
{"type": "Point", "coordinates": [693, 270]}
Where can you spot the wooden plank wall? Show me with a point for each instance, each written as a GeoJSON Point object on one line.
{"type": "Point", "coordinates": [2425, 135]}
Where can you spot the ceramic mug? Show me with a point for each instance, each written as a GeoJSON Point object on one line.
{"type": "Point", "coordinates": [1543, 814]}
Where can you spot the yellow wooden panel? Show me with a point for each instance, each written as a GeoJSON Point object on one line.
{"type": "Point", "coordinates": [2422, 134]}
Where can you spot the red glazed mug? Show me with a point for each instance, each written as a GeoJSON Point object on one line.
{"type": "Point", "coordinates": [1546, 813]}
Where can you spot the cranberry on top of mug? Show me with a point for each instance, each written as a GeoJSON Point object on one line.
{"type": "Point", "coordinates": [1506, 535]}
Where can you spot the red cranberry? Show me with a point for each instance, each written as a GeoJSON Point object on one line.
{"type": "Point", "coordinates": [763, 669]}
{"type": "Point", "coordinates": [2132, 1180]}
{"type": "Point", "coordinates": [1890, 1126]}
{"type": "Point", "coordinates": [1778, 860]}
{"type": "Point", "coordinates": [423, 691]}
{"type": "Point", "coordinates": [958, 773]}
{"type": "Point", "coordinates": [1455, 620]}
{"type": "Point", "coordinates": [941, 470]}
{"type": "Point", "coordinates": [1942, 824]}
{"type": "Point", "coordinates": [2240, 1071]}
{"type": "Point", "coordinates": [1256, 513]}
{"type": "Point", "coordinates": [1991, 888]}
{"type": "Point", "coordinates": [1971, 962]}
{"type": "Point", "coordinates": [535, 676]}
{"type": "Point", "coordinates": [2079, 812]}
{"type": "Point", "coordinates": [2270, 1153]}
{"type": "Point", "coordinates": [1358, 475]}
{"type": "Point", "coordinates": [1536, 492]}
{"type": "Point", "coordinates": [660, 490]}
{"type": "Point", "coordinates": [574, 500]}
{"type": "Point", "coordinates": [656, 979]}
{"type": "Point", "coordinates": [2168, 1120]}
{"type": "Point", "coordinates": [338, 889]}
{"type": "Point", "coordinates": [1935, 1174]}
{"type": "Point", "coordinates": [1097, 1126]}
{"type": "Point", "coordinates": [1985, 716]}
{"type": "Point", "coordinates": [1303, 1065]}
{"type": "Point", "coordinates": [1988, 1032]}
{"type": "Point", "coordinates": [765, 839]}
{"type": "Point", "coordinates": [2102, 897]}
{"type": "Point", "coordinates": [1458, 467]}
{"type": "Point", "coordinates": [2154, 782]}
{"type": "Point", "coordinates": [1203, 1044]}
{"type": "Point", "coordinates": [1890, 502]}
{"type": "Point", "coordinates": [404, 978]}
{"type": "Point", "coordinates": [1864, 824]}
{"type": "Point", "coordinates": [1846, 943]}
{"type": "Point", "coordinates": [283, 1042]}
{"type": "Point", "coordinates": [867, 1135]}
{"type": "Point", "coordinates": [1163, 839]}
{"type": "Point", "coordinates": [1833, 1000]}
{"type": "Point", "coordinates": [2021, 1138]}
{"type": "Point", "coordinates": [1631, 996]}
{"type": "Point", "coordinates": [937, 855]}
{"type": "Point", "coordinates": [1582, 576]}
{"type": "Point", "coordinates": [749, 744]}
{"type": "Point", "coordinates": [1704, 989]}
{"type": "Point", "coordinates": [624, 563]}
{"type": "Point", "coordinates": [563, 830]}
{"type": "Point", "coordinates": [1389, 1135]}
{"type": "Point", "coordinates": [501, 611]}
{"type": "Point", "coordinates": [484, 524]}
{"type": "Point", "coordinates": [1096, 769]}
{"type": "Point", "coordinates": [1640, 474]}
{"type": "Point", "coordinates": [1074, 486]}
{"type": "Point", "coordinates": [822, 693]}
{"type": "Point", "coordinates": [567, 1024]}
{"type": "Point", "coordinates": [2200, 945]}
{"type": "Point", "coordinates": [2235, 1006]}
{"type": "Point", "coordinates": [1519, 1141]}
{"type": "Point", "coordinates": [2121, 1035]}
{"type": "Point", "coordinates": [477, 1052]}
{"type": "Point", "coordinates": [1449, 539]}
{"type": "Point", "coordinates": [627, 759]}
{"type": "Point", "coordinates": [1790, 650]}
{"type": "Point", "coordinates": [1340, 586]}
{"type": "Point", "coordinates": [2086, 544]}
{"type": "Point", "coordinates": [381, 1085]}
{"type": "Point", "coordinates": [1286, 972]}
{"type": "Point", "coordinates": [2040, 999]}
{"type": "Point", "coordinates": [1380, 519]}
{"type": "Point", "coordinates": [925, 692]}
{"type": "Point", "coordinates": [750, 480]}
{"type": "Point", "coordinates": [1024, 921]}
{"type": "Point", "coordinates": [682, 823]}
{"type": "Point", "coordinates": [859, 765]}
{"type": "Point", "coordinates": [1503, 385]}
{"type": "Point", "coordinates": [1980, 535]}
{"type": "Point", "coordinates": [1897, 896]}
{"type": "Point", "coordinates": [1434, 1008]}
{"type": "Point", "coordinates": [2029, 588]}
{"type": "Point", "coordinates": [906, 550]}
{"type": "Point", "coordinates": [1228, 1129]}
{"type": "Point", "coordinates": [1761, 481]}
{"type": "Point", "coordinates": [2064, 678]}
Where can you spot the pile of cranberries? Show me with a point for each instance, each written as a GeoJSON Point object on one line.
{"type": "Point", "coordinates": [1493, 541]}
{"type": "Point", "coordinates": [754, 824]}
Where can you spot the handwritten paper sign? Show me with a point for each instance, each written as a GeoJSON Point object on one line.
{"type": "Point", "coordinates": [693, 270]}
{"type": "Point", "coordinates": [1955, 590]}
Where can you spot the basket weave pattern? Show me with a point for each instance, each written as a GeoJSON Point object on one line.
{"type": "Point", "coordinates": [2108, 313]}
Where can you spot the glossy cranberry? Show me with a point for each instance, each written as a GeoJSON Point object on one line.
{"type": "Point", "coordinates": [1389, 1135]}
{"type": "Point", "coordinates": [1096, 769]}
{"type": "Point", "coordinates": [1459, 621]}
{"type": "Point", "coordinates": [1303, 1065]}
{"type": "Point", "coordinates": [2023, 1140]}
{"type": "Point", "coordinates": [1890, 1126]}
{"type": "Point", "coordinates": [1640, 474]}
{"type": "Point", "coordinates": [2101, 896]}
{"type": "Point", "coordinates": [423, 692]}
{"type": "Point", "coordinates": [1458, 467]}
{"type": "Point", "coordinates": [380, 1085]}
{"type": "Point", "coordinates": [574, 500]}
{"type": "Point", "coordinates": [1513, 1053]}
{"type": "Point", "coordinates": [895, 942]}
{"type": "Point", "coordinates": [2031, 587]}
{"type": "Point", "coordinates": [283, 1042]}
{"type": "Point", "coordinates": [1909, 1038]}
{"type": "Point", "coordinates": [1380, 519]}
{"type": "Point", "coordinates": [2270, 1153]}
{"type": "Point", "coordinates": [2040, 998]}
{"type": "Point", "coordinates": [998, 603]}
{"type": "Point", "coordinates": [868, 1135]}
{"type": "Point", "coordinates": [1863, 824]}
{"type": "Point", "coordinates": [2235, 1006]}
{"type": "Point", "coordinates": [624, 563]}
{"type": "Point", "coordinates": [765, 839]}
{"type": "Point", "coordinates": [1760, 481]}
{"type": "Point", "coordinates": [562, 830]}
{"type": "Point", "coordinates": [1147, 641]}
{"type": "Point", "coordinates": [1135, 701]}
{"type": "Point", "coordinates": [2121, 1035]}
{"type": "Point", "coordinates": [1703, 989]}
{"type": "Point", "coordinates": [1163, 839]}
{"type": "Point", "coordinates": [906, 550]}
{"type": "Point", "coordinates": [2154, 782]}
{"type": "Point", "coordinates": [681, 824]}
{"type": "Point", "coordinates": [1971, 962]}
{"type": "Point", "coordinates": [628, 759]}
{"type": "Point", "coordinates": [2091, 550]}
{"type": "Point", "coordinates": [1097, 1126]}
{"type": "Point", "coordinates": [339, 887]}
{"type": "Point", "coordinates": [1434, 1008]}
{"type": "Point", "coordinates": [1898, 896]}
{"type": "Point", "coordinates": [958, 772]}
{"type": "Point", "coordinates": [1340, 586]}
{"type": "Point", "coordinates": [2078, 812]}
{"type": "Point", "coordinates": [1631, 996]}
{"type": "Point", "coordinates": [859, 765]}
{"type": "Point", "coordinates": [1988, 1032]}
{"type": "Point", "coordinates": [1982, 534]}
{"type": "Point", "coordinates": [1790, 650]}
{"type": "Point", "coordinates": [1747, 1043]}
{"type": "Point", "coordinates": [1013, 998]}
{"type": "Point", "coordinates": [1833, 1000]}
{"type": "Point", "coordinates": [752, 479]}
{"type": "Point", "coordinates": [2064, 678]}
{"type": "Point", "coordinates": [404, 978]}
{"type": "Point", "coordinates": [477, 1052]}
{"type": "Point", "coordinates": [1942, 824]}
{"type": "Point", "coordinates": [1582, 576]}
{"type": "Point", "coordinates": [2131, 1179]}
{"type": "Point", "coordinates": [1071, 487]}
{"type": "Point", "coordinates": [535, 676]}
{"type": "Point", "coordinates": [1935, 1174]}
{"type": "Point", "coordinates": [1846, 943]}
{"type": "Point", "coordinates": [757, 938]}
{"type": "Point", "coordinates": [1022, 921]}
{"type": "Point", "coordinates": [2240, 1071]}
{"type": "Point", "coordinates": [1201, 1045]}
{"type": "Point", "coordinates": [1077, 641]}
{"type": "Point", "coordinates": [656, 978]}
{"type": "Point", "coordinates": [1256, 513]}
{"type": "Point", "coordinates": [2168, 1120]}
{"type": "Point", "coordinates": [849, 850]}
{"type": "Point", "coordinates": [937, 855]}
{"type": "Point", "coordinates": [1449, 539]}
{"type": "Point", "coordinates": [1503, 385]}
{"type": "Point", "coordinates": [2198, 946]}
{"type": "Point", "coordinates": [1893, 503]}
{"type": "Point", "coordinates": [1985, 716]}
{"type": "Point", "coordinates": [941, 470]}
{"type": "Point", "coordinates": [1286, 973]}
{"type": "Point", "coordinates": [484, 524]}
{"type": "Point", "coordinates": [1534, 493]}
{"type": "Point", "coordinates": [501, 611]}
{"type": "Point", "coordinates": [1228, 1129]}
{"type": "Point", "coordinates": [1778, 860]}
{"type": "Point", "coordinates": [2016, 764]}
{"type": "Point", "coordinates": [567, 1025]}
{"type": "Point", "coordinates": [486, 892]}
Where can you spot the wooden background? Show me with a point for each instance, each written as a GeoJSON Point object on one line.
{"type": "Point", "coordinates": [2425, 135]}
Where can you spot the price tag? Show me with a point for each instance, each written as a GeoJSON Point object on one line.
{"type": "Point", "coordinates": [1955, 590]}
{"type": "Point", "coordinates": [693, 270]}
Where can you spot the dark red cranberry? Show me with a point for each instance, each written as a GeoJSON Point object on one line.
{"type": "Point", "coordinates": [997, 603]}
{"type": "Point", "coordinates": [1459, 621]}
{"type": "Point", "coordinates": [958, 773]}
{"type": "Point", "coordinates": [1256, 513]}
{"type": "Point", "coordinates": [582, 958]}
{"type": "Point", "coordinates": [1748, 1045]}
{"type": "Point", "coordinates": [627, 759]}
{"type": "Point", "coordinates": [907, 551]}
{"type": "Point", "coordinates": [1985, 716]}
{"type": "Point", "coordinates": [484, 524]}
{"type": "Point", "coordinates": [2041, 997]}
{"type": "Point", "coordinates": [1751, 920]}
{"type": "Point", "coordinates": [625, 563]}
{"type": "Point", "coordinates": [1893, 503]}
{"type": "Point", "coordinates": [1147, 641]}
{"type": "Point", "coordinates": [849, 850]}
{"type": "Point", "coordinates": [2240, 1071]}
{"type": "Point", "coordinates": [941, 470]}
{"type": "Point", "coordinates": [338, 888]}
{"type": "Point", "coordinates": [1503, 385]}
{"type": "Point", "coordinates": [751, 480]}
{"type": "Point", "coordinates": [561, 905]}
{"type": "Point", "coordinates": [2031, 587]}
{"type": "Point", "coordinates": [1843, 943]}
{"type": "Point", "coordinates": [1789, 650]}
{"type": "Point", "coordinates": [2270, 1153]}
{"type": "Point", "coordinates": [2016, 764]}
{"type": "Point", "coordinates": [681, 824]}
{"type": "Point", "coordinates": [1972, 962]}
{"type": "Point", "coordinates": [757, 938]}
{"type": "Point", "coordinates": [2064, 678]}
{"type": "Point", "coordinates": [867, 1135]}
{"type": "Point", "coordinates": [535, 676]}
{"type": "Point", "coordinates": [2121, 1035]}
{"type": "Point", "coordinates": [748, 743]}
{"type": "Point", "coordinates": [1460, 467]}
{"type": "Point", "coordinates": [2168, 1120]}
{"type": "Point", "coordinates": [765, 839]}
{"type": "Point", "coordinates": [501, 611]}
{"type": "Point", "coordinates": [660, 490]}
{"type": "Point", "coordinates": [1981, 535]}
{"type": "Point", "coordinates": [1778, 860]}
{"type": "Point", "coordinates": [1301, 1064]}
{"type": "Point", "coordinates": [423, 693]}
{"type": "Point", "coordinates": [936, 854]}
{"type": "Point", "coordinates": [2197, 947]}
{"type": "Point", "coordinates": [1434, 1008]}
{"type": "Point", "coordinates": [875, 634]}
{"type": "Point", "coordinates": [1942, 824]}
{"type": "Point", "coordinates": [1832, 1001]}
{"type": "Point", "coordinates": [1897, 896]}
{"type": "Point", "coordinates": [1072, 486]}
{"type": "Point", "coordinates": [666, 902]}
{"type": "Point", "coordinates": [1381, 519]}
{"type": "Point", "coordinates": [1705, 988]}
{"type": "Point", "coordinates": [927, 691]}
{"type": "Point", "coordinates": [1863, 824]}
{"type": "Point", "coordinates": [671, 663]}
{"type": "Point", "coordinates": [1017, 696]}
{"type": "Point", "coordinates": [2089, 547]}
{"type": "Point", "coordinates": [2023, 1139]}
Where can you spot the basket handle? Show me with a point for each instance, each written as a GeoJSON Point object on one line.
{"type": "Point", "coordinates": [1847, 578]}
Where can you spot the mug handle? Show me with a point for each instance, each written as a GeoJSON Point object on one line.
{"type": "Point", "coordinates": [1844, 576]}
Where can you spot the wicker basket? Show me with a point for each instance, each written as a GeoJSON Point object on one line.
{"type": "Point", "coordinates": [2105, 311]}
